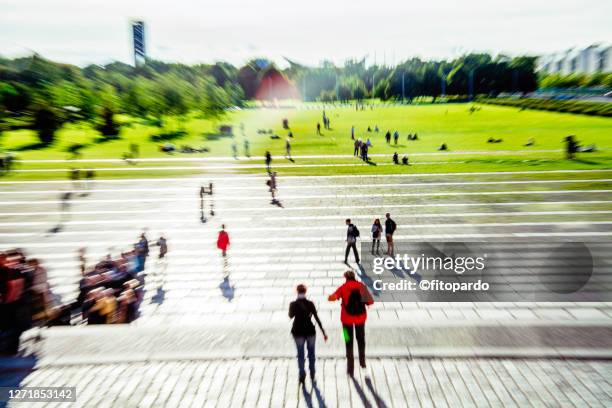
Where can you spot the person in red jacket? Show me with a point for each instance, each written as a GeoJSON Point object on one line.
{"type": "Point", "coordinates": [223, 240]}
{"type": "Point", "coordinates": [354, 297]}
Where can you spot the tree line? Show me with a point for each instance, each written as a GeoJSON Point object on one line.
{"type": "Point", "coordinates": [36, 92]}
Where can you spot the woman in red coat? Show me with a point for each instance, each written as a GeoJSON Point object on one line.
{"type": "Point", "coordinates": [223, 240]}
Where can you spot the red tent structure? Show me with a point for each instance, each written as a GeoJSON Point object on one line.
{"type": "Point", "coordinates": [273, 85]}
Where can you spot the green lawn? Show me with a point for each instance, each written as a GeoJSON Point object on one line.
{"type": "Point", "coordinates": [452, 124]}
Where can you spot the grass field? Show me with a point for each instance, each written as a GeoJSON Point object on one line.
{"type": "Point", "coordinates": [452, 124]}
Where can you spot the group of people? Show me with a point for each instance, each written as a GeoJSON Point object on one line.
{"type": "Point", "coordinates": [111, 290]}
{"type": "Point", "coordinates": [352, 233]}
{"type": "Point", "coordinates": [354, 297]}
{"type": "Point", "coordinates": [360, 149]}
{"type": "Point", "coordinates": [25, 298]}
{"type": "Point", "coordinates": [396, 159]}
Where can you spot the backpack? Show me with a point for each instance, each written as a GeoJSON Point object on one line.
{"type": "Point", "coordinates": [356, 232]}
{"type": "Point", "coordinates": [354, 305]}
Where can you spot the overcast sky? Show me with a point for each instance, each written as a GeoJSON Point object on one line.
{"type": "Point", "coordinates": [308, 31]}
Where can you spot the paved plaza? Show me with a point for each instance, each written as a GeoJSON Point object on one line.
{"type": "Point", "coordinates": [389, 382]}
{"type": "Point", "coordinates": [215, 332]}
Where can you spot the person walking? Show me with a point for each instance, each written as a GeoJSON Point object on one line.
{"type": "Point", "coordinates": [247, 153]}
{"type": "Point", "coordinates": [301, 311]}
{"type": "Point", "coordinates": [268, 161]}
{"type": "Point", "coordinates": [354, 297]}
{"type": "Point", "coordinates": [388, 137]}
{"type": "Point", "coordinates": [223, 240]}
{"type": "Point", "coordinates": [235, 149]}
{"type": "Point", "coordinates": [364, 151]}
{"type": "Point", "coordinates": [357, 147]}
{"type": "Point", "coordinates": [390, 227]}
{"type": "Point", "coordinates": [142, 251]}
{"type": "Point", "coordinates": [272, 186]}
{"type": "Point", "coordinates": [162, 243]}
{"type": "Point", "coordinates": [352, 233]}
{"type": "Point", "coordinates": [288, 149]}
{"type": "Point", "coordinates": [318, 128]}
{"type": "Point", "coordinates": [352, 132]}
{"type": "Point", "coordinates": [395, 137]}
{"type": "Point", "coordinates": [376, 233]}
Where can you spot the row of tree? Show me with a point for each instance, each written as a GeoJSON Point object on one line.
{"type": "Point", "coordinates": [41, 94]}
{"type": "Point", "coordinates": [33, 85]}
{"type": "Point", "coordinates": [468, 75]}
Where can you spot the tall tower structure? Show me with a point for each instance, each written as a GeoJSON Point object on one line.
{"type": "Point", "coordinates": [138, 41]}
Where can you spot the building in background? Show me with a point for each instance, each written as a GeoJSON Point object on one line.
{"type": "Point", "coordinates": [594, 58]}
{"type": "Point", "coordinates": [138, 41]}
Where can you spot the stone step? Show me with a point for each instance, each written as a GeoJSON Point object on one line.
{"type": "Point", "coordinates": [125, 343]}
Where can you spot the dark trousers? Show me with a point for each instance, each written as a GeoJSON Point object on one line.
{"type": "Point", "coordinates": [348, 249]}
{"type": "Point", "coordinates": [359, 332]}
{"type": "Point", "coordinates": [309, 342]}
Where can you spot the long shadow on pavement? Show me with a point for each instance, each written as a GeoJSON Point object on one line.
{"type": "Point", "coordinates": [318, 395]}
{"type": "Point", "coordinates": [379, 401]}
{"type": "Point", "coordinates": [362, 395]}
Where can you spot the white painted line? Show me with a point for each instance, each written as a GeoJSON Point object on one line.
{"type": "Point", "coordinates": [156, 221]}
{"type": "Point", "coordinates": [439, 215]}
{"type": "Point", "coordinates": [215, 178]}
{"type": "Point", "coordinates": [283, 186]}
{"type": "Point", "coordinates": [340, 228]}
{"type": "Point", "coordinates": [235, 167]}
{"type": "Point", "coordinates": [253, 158]}
{"type": "Point", "coordinates": [121, 245]}
{"type": "Point", "coordinates": [193, 211]}
{"type": "Point", "coordinates": [309, 197]}
{"type": "Point", "coordinates": [249, 253]}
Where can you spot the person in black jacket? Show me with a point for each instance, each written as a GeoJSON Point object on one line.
{"type": "Point", "coordinates": [301, 310]}
{"type": "Point", "coordinates": [352, 233]}
{"type": "Point", "coordinates": [390, 227]}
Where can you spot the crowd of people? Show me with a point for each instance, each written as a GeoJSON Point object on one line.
{"type": "Point", "coordinates": [109, 291]}
{"type": "Point", "coordinates": [361, 148]}
{"type": "Point", "coordinates": [352, 233]}
{"type": "Point", "coordinates": [25, 298]}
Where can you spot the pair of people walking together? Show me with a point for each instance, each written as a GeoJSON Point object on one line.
{"type": "Point", "coordinates": [354, 297]}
